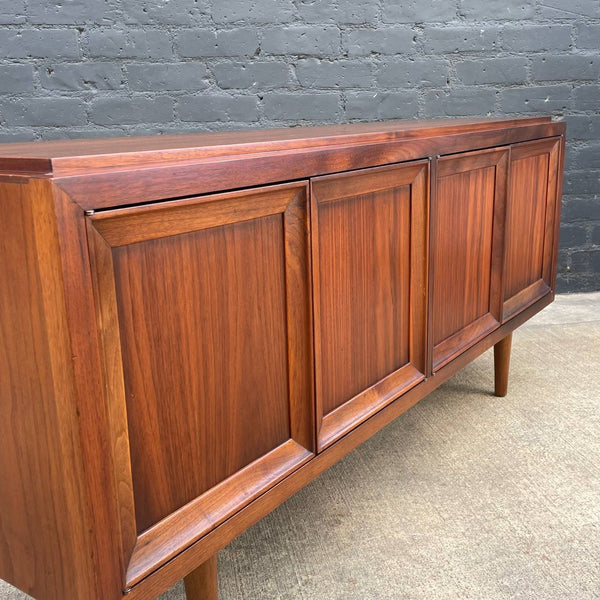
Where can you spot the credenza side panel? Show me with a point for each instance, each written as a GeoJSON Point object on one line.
{"type": "Point", "coordinates": [466, 250]}
{"type": "Point", "coordinates": [369, 260]}
{"type": "Point", "coordinates": [531, 215]}
{"type": "Point", "coordinates": [45, 541]}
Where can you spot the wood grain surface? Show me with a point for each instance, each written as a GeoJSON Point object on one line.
{"type": "Point", "coordinates": [466, 241]}
{"type": "Point", "coordinates": [204, 350]}
{"type": "Point", "coordinates": [95, 172]}
{"type": "Point", "coordinates": [196, 554]}
{"type": "Point", "coordinates": [40, 463]}
{"type": "Point", "coordinates": [369, 252]}
{"type": "Point", "coordinates": [530, 223]}
{"type": "Point", "coordinates": [180, 359]}
{"type": "Point", "coordinates": [69, 156]}
{"type": "Point", "coordinates": [203, 310]}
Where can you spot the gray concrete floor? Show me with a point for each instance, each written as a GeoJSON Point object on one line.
{"type": "Point", "coordinates": [464, 496]}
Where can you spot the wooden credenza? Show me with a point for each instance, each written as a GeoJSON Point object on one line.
{"type": "Point", "coordinates": [194, 327]}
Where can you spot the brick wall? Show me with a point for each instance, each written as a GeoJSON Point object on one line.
{"type": "Point", "coordinates": [80, 68]}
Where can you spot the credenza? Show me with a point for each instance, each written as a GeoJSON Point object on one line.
{"type": "Point", "coordinates": [193, 327]}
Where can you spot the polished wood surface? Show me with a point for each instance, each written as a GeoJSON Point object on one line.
{"type": "Point", "coordinates": [82, 155]}
{"type": "Point", "coordinates": [369, 260]}
{"type": "Point", "coordinates": [466, 241]}
{"type": "Point", "coordinates": [39, 461]}
{"type": "Point", "coordinates": [217, 289]}
{"type": "Point", "coordinates": [101, 438]}
{"type": "Point", "coordinates": [177, 359]}
{"type": "Point", "coordinates": [101, 187]}
{"type": "Point", "coordinates": [224, 385]}
{"type": "Point", "coordinates": [180, 529]}
{"type": "Point", "coordinates": [502, 365]}
{"type": "Point", "coordinates": [94, 173]}
{"type": "Point", "coordinates": [530, 223]}
{"type": "Point", "coordinates": [202, 582]}
{"type": "Point", "coordinates": [171, 572]}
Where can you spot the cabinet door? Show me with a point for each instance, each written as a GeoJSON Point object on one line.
{"type": "Point", "coordinates": [531, 216]}
{"type": "Point", "coordinates": [203, 309]}
{"type": "Point", "coordinates": [369, 261]}
{"type": "Point", "coordinates": [467, 217]}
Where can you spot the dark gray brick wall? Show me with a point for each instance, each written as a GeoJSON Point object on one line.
{"type": "Point", "coordinates": [83, 68]}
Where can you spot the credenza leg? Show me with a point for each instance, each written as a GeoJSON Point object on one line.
{"type": "Point", "coordinates": [201, 584]}
{"type": "Point", "coordinates": [501, 365]}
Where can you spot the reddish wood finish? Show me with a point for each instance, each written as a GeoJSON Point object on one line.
{"type": "Point", "coordinates": [99, 440]}
{"type": "Point", "coordinates": [466, 246]}
{"type": "Point", "coordinates": [369, 270]}
{"type": "Point", "coordinates": [40, 464]}
{"type": "Point", "coordinates": [170, 573]}
{"type": "Point", "coordinates": [94, 172]}
{"type": "Point", "coordinates": [204, 319]}
{"type": "Point", "coordinates": [71, 156]}
{"type": "Point", "coordinates": [530, 223]}
{"type": "Point", "coordinates": [502, 365]}
{"type": "Point", "coordinates": [156, 361]}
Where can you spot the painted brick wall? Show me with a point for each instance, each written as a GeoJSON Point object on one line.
{"type": "Point", "coordinates": [80, 68]}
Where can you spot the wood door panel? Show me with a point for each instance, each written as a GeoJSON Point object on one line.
{"type": "Point", "coordinates": [204, 312]}
{"type": "Point", "coordinates": [370, 282]}
{"type": "Point", "coordinates": [466, 244]}
{"type": "Point", "coordinates": [203, 340]}
{"type": "Point", "coordinates": [530, 224]}
{"type": "Point", "coordinates": [524, 256]}
{"type": "Point", "coordinates": [370, 292]}
{"type": "Point", "coordinates": [463, 250]}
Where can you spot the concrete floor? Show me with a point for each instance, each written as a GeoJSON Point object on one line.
{"type": "Point", "coordinates": [464, 496]}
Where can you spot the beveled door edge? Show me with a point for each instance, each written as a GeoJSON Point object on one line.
{"type": "Point", "coordinates": [185, 526]}
{"type": "Point", "coordinates": [102, 269]}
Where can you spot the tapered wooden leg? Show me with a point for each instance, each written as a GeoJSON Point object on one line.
{"type": "Point", "coordinates": [201, 584]}
{"type": "Point", "coordinates": [501, 365]}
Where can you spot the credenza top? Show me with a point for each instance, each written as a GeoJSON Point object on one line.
{"type": "Point", "coordinates": [65, 156]}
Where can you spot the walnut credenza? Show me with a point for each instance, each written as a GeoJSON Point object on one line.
{"type": "Point", "coordinates": [193, 327]}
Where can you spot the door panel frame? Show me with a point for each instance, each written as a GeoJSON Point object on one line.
{"type": "Point", "coordinates": [440, 354]}
{"type": "Point", "coordinates": [144, 553]}
{"type": "Point", "coordinates": [527, 296]}
{"type": "Point", "coordinates": [329, 188]}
